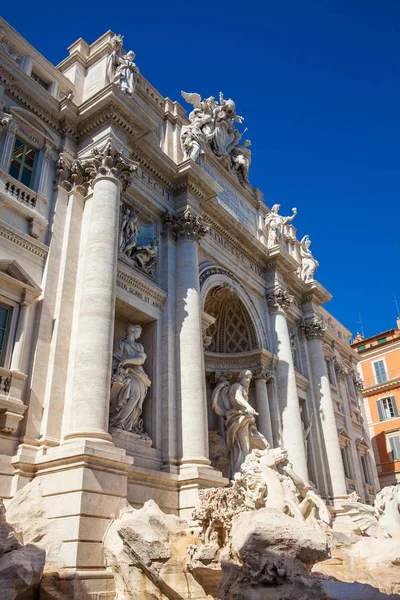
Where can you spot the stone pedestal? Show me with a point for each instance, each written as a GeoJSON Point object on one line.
{"type": "Point", "coordinates": [292, 431]}
{"type": "Point", "coordinates": [314, 329]}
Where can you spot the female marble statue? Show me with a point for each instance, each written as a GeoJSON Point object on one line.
{"type": "Point", "coordinates": [274, 225]}
{"type": "Point", "coordinates": [241, 434]}
{"type": "Point", "coordinates": [308, 263]}
{"type": "Point", "coordinates": [129, 383]}
{"type": "Point", "coordinates": [121, 69]}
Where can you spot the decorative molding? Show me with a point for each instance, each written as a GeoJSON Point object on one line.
{"type": "Point", "coordinates": [184, 226]}
{"type": "Point", "coordinates": [254, 360]}
{"type": "Point", "coordinates": [358, 381]}
{"type": "Point", "coordinates": [340, 368]}
{"type": "Point", "coordinates": [145, 291]}
{"type": "Point", "coordinates": [265, 374]}
{"type": "Point", "coordinates": [9, 48]}
{"type": "Point", "coordinates": [13, 235]}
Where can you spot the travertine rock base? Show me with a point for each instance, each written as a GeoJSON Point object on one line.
{"type": "Point", "coordinates": [21, 567]}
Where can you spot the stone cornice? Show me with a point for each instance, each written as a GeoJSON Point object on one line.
{"type": "Point", "coordinates": [22, 240]}
{"type": "Point", "coordinates": [278, 259]}
{"type": "Point", "coordinates": [192, 178]}
{"type": "Point", "coordinates": [255, 360]}
{"type": "Point", "coordinates": [138, 286]}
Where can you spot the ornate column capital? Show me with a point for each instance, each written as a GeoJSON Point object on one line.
{"type": "Point", "coordinates": [184, 226]}
{"type": "Point", "coordinates": [340, 368]}
{"type": "Point", "coordinates": [358, 381]}
{"type": "Point", "coordinates": [279, 299]}
{"type": "Point", "coordinates": [106, 162]}
{"type": "Point", "coordinates": [313, 328]}
{"type": "Point", "coordinates": [265, 374]}
{"type": "Point", "coordinates": [6, 120]}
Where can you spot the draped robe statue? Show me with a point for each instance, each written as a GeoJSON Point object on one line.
{"type": "Point", "coordinates": [274, 225]}
{"type": "Point", "coordinates": [129, 383]}
{"type": "Point", "coordinates": [308, 263]}
{"type": "Point", "coordinates": [241, 433]}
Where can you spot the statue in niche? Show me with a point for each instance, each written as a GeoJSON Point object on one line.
{"type": "Point", "coordinates": [144, 256]}
{"type": "Point", "coordinates": [121, 69]}
{"type": "Point", "coordinates": [274, 225]}
{"type": "Point", "coordinates": [308, 263]}
{"type": "Point", "coordinates": [241, 433]}
{"type": "Point", "coordinates": [129, 383]}
{"type": "Point", "coordinates": [212, 126]}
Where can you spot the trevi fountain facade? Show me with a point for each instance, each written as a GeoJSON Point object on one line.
{"type": "Point", "coordinates": [180, 417]}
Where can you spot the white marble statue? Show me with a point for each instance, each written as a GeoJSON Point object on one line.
{"type": "Point", "coordinates": [380, 520]}
{"type": "Point", "coordinates": [121, 69]}
{"type": "Point", "coordinates": [241, 433]}
{"type": "Point", "coordinates": [308, 263]}
{"type": "Point", "coordinates": [129, 384]}
{"type": "Point", "coordinates": [274, 225]}
{"type": "Point", "coordinates": [212, 126]}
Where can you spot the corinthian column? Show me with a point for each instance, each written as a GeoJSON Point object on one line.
{"type": "Point", "coordinates": [292, 431]}
{"type": "Point", "coordinates": [314, 329]}
{"type": "Point", "coordinates": [187, 229]}
{"type": "Point", "coordinates": [262, 404]}
{"type": "Point", "coordinates": [106, 173]}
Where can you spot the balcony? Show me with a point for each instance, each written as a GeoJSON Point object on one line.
{"type": "Point", "coordinates": [11, 406]}
{"type": "Point", "coordinates": [18, 198]}
{"type": "Point", "coordinates": [388, 380]}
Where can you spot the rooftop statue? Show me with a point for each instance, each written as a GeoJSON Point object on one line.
{"type": "Point", "coordinates": [274, 225]}
{"type": "Point", "coordinates": [212, 126]}
{"type": "Point", "coordinates": [308, 263]}
{"type": "Point", "coordinates": [121, 69]}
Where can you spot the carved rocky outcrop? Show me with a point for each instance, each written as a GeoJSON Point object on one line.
{"type": "Point", "coordinates": [21, 567]}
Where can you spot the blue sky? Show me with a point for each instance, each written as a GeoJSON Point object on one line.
{"type": "Point", "coordinates": [318, 85]}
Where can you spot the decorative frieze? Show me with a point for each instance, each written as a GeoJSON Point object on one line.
{"type": "Point", "coordinates": [105, 162]}
{"type": "Point", "coordinates": [279, 299]}
{"type": "Point", "coordinates": [9, 48]}
{"type": "Point", "coordinates": [184, 225]}
{"type": "Point", "coordinates": [313, 328]}
{"type": "Point", "coordinates": [137, 286]}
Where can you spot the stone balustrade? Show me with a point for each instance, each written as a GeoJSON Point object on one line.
{"type": "Point", "coordinates": [19, 198]}
{"type": "Point", "coordinates": [19, 191]}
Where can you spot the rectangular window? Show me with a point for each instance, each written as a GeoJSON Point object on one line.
{"type": "Point", "coordinates": [346, 462]}
{"type": "Point", "coordinates": [380, 371]}
{"type": "Point", "coordinates": [364, 464]}
{"type": "Point", "coordinates": [387, 408]}
{"type": "Point", "coordinates": [394, 442]}
{"type": "Point", "coordinates": [363, 347]}
{"type": "Point", "coordinates": [5, 317]}
{"type": "Point", "coordinates": [40, 81]}
{"type": "Point", "coordinates": [382, 340]}
{"type": "Point", "coordinates": [331, 377]}
{"type": "Point", "coordinates": [23, 161]}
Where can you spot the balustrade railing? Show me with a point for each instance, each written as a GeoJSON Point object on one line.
{"type": "Point", "coordinates": [18, 190]}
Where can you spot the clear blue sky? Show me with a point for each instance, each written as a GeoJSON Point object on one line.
{"type": "Point", "coordinates": [318, 85]}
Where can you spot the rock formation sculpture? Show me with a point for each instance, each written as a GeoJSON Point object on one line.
{"type": "Point", "coordinates": [274, 225]}
{"type": "Point", "coordinates": [129, 383]}
{"type": "Point", "coordinates": [21, 567]}
{"type": "Point", "coordinates": [380, 520]}
{"type": "Point", "coordinates": [241, 433]}
{"type": "Point", "coordinates": [212, 126]}
{"type": "Point", "coordinates": [121, 69]}
{"type": "Point", "coordinates": [308, 263]}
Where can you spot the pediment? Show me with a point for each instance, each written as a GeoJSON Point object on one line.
{"type": "Point", "coordinates": [362, 443]}
{"type": "Point", "coordinates": [32, 120]}
{"type": "Point", "coordinates": [13, 270]}
{"type": "Point", "coordinates": [343, 434]}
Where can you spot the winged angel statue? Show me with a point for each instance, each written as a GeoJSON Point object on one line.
{"type": "Point", "coordinates": [380, 520]}
{"type": "Point", "coordinates": [212, 126]}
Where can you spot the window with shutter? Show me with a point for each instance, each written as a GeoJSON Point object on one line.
{"type": "Point", "coordinates": [365, 469]}
{"type": "Point", "coordinates": [387, 408]}
{"type": "Point", "coordinates": [394, 442]}
{"type": "Point", "coordinates": [380, 371]}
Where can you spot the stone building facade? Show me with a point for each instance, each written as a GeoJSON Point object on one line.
{"type": "Point", "coordinates": [117, 210]}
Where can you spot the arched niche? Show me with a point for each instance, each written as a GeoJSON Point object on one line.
{"type": "Point", "coordinates": [218, 288]}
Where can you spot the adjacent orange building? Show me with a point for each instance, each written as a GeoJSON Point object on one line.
{"type": "Point", "coordinates": [380, 369]}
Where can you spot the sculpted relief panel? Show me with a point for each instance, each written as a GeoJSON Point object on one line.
{"type": "Point", "coordinates": [137, 241]}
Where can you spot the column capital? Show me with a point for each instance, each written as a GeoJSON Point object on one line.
{"type": "Point", "coordinates": [340, 368]}
{"type": "Point", "coordinates": [185, 225]}
{"type": "Point", "coordinates": [264, 374]}
{"type": "Point", "coordinates": [279, 299]}
{"type": "Point", "coordinates": [358, 381]}
{"type": "Point", "coordinates": [106, 162]}
{"type": "Point", "coordinates": [313, 328]}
